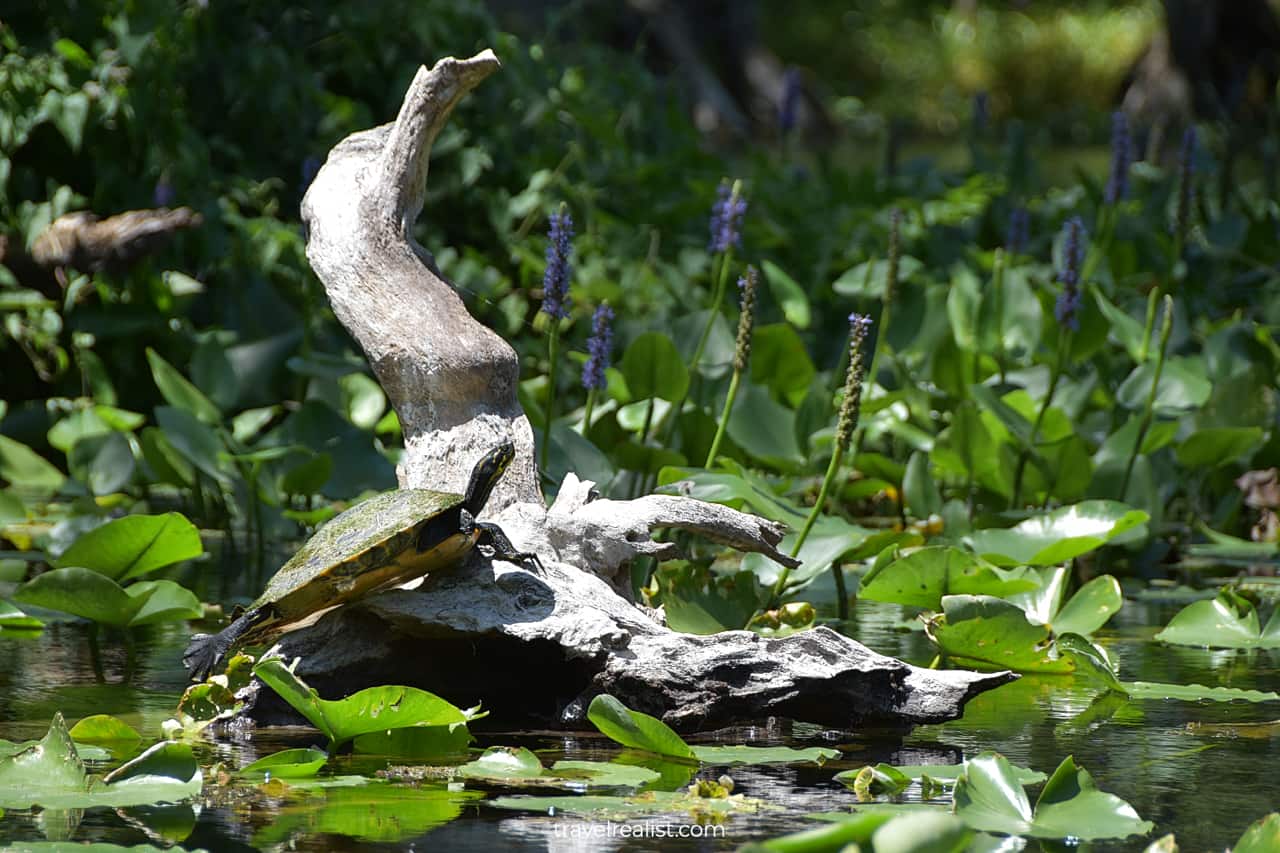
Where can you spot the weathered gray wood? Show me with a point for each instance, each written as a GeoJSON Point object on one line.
{"type": "Point", "coordinates": [540, 646]}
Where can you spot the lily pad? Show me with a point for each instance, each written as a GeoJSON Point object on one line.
{"type": "Point", "coordinates": [990, 633]}
{"type": "Point", "coordinates": [134, 545]}
{"type": "Point", "coordinates": [763, 754]}
{"type": "Point", "coordinates": [621, 808]}
{"type": "Point", "coordinates": [924, 576]}
{"type": "Point", "coordinates": [1262, 836]}
{"type": "Point", "coordinates": [287, 764]}
{"type": "Point", "coordinates": [632, 728]}
{"type": "Point", "coordinates": [1058, 536]}
{"type": "Point", "coordinates": [373, 709]}
{"type": "Point", "coordinates": [989, 797]}
{"type": "Point", "coordinates": [1228, 621]}
{"type": "Point", "coordinates": [938, 772]}
{"type": "Point", "coordinates": [507, 767]}
{"type": "Point", "coordinates": [361, 809]}
{"type": "Point", "coordinates": [104, 728]}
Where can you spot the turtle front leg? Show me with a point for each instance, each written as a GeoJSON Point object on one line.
{"type": "Point", "coordinates": [491, 535]}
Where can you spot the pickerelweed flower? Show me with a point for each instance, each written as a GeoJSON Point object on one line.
{"type": "Point", "coordinates": [555, 281]}
{"type": "Point", "coordinates": [164, 194]}
{"type": "Point", "coordinates": [599, 348]}
{"type": "Point", "coordinates": [851, 407]}
{"type": "Point", "coordinates": [746, 319]}
{"type": "Point", "coordinates": [1067, 308]}
{"type": "Point", "coordinates": [789, 101]}
{"type": "Point", "coordinates": [1019, 232]}
{"type": "Point", "coordinates": [1121, 155]}
{"type": "Point", "coordinates": [726, 217]}
{"type": "Point", "coordinates": [1186, 179]}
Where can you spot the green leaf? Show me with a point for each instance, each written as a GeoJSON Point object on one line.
{"type": "Point", "coordinates": [134, 545]}
{"type": "Point", "coordinates": [942, 773]}
{"type": "Point", "coordinates": [624, 808]}
{"type": "Point", "coordinates": [13, 618]}
{"type": "Point", "coordinates": [81, 592]}
{"type": "Point", "coordinates": [104, 728]}
{"type": "Point", "coordinates": [918, 488]}
{"type": "Point", "coordinates": [166, 463]}
{"type": "Point", "coordinates": [178, 391]}
{"type": "Point", "coordinates": [653, 368]}
{"type": "Point", "coordinates": [163, 601]}
{"type": "Point", "coordinates": [1183, 386]}
{"type": "Point", "coordinates": [764, 428]}
{"type": "Point", "coordinates": [420, 742]}
{"type": "Point", "coordinates": [373, 709]}
{"type": "Point", "coordinates": [1217, 446]}
{"type": "Point", "coordinates": [1058, 536]}
{"type": "Point", "coordinates": [990, 633]}
{"type": "Point", "coordinates": [924, 576]}
{"type": "Point", "coordinates": [1129, 332]}
{"type": "Point", "coordinates": [788, 293]}
{"type": "Point", "coordinates": [26, 470]}
{"type": "Point", "coordinates": [104, 462]}
{"type": "Point", "coordinates": [70, 116]}
{"type": "Point", "coordinates": [195, 442]}
{"type": "Point", "coordinates": [780, 362]}
{"type": "Point", "coordinates": [923, 833]}
{"type": "Point", "coordinates": [287, 764]}
{"type": "Point", "coordinates": [501, 763]}
{"type": "Point", "coordinates": [632, 728]}
{"type": "Point", "coordinates": [50, 767]}
{"type": "Point", "coordinates": [989, 797]}
{"type": "Point", "coordinates": [307, 477]}
{"type": "Point", "coordinates": [1228, 621]}
{"type": "Point", "coordinates": [1090, 608]}
{"type": "Point", "coordinates": [1262, 836]}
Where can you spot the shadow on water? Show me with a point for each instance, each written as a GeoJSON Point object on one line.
{"type": "Point", "coordinates": [1204, 785]}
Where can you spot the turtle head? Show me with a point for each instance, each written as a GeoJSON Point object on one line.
{"type": "Point", "coordinates": [486, 474]}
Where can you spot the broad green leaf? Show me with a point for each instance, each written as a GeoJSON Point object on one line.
{"type": "Point", "coordinates": [418, 742]}
{"type": "Point", "coordinates": [780, 362]}
{"type": "Point", "coordinates": [1217, 446]}
{"type": "Point", "coordinates": [845, 833]}
{"type": "Point", "coordinates": [1183, 386]}
{"type": "Point", "coordinates": [736, 488]}
{"type": "Point", "coordinates": [307, 477]}
{"type": "Point", "coordinates": [1129, 332]}
{"type": "Point", "coordinates": [26, 470]}
{"type": "Point", "coordinates": [943, 773]}
{"type": "Point", "coordinates": [924, 833]}
{"type": "Point", "coordinates": [104, 462]}
{"type": "Point", "coordinates": [134, 545]}
{"type": "Point", "coordinates": [501, 763]}
{"type": "Point", "coordinates": [373, 709]}
{"type": "Point", "coordinates": [989, 797]}
{"type": "Point", "coordinates": [698, 602]}
{"type": "Point", "coordinates": [1070, 805]}
{"type": "Point", "coordinates": [924, 576]}
{"type": "Point", "coordinates": [918, 488]}
{"type": "Point", "coordinates": [1227, 621]}
{"type": "Point", "coordinates": [178, 391]}
{"type": "Point", "coordinates": [1090, 608]}
{"type": "Point", "coordinates": [166, 463]}
{"type": "Point", "coordinates": [287, 764]}
{"type": "Point", "coordinates": [365, 400]}
{"type": "Point", "coordinates": [632, 728]}
{"type": "Point", "coordinates": [1262, 836]}
{"type": "Point", "coordinates": [601, 774]}
{"type": "Point", "coordinates": [990, 633]}
{"type": "Point", "coordinates": [964, 301]}
{"type": "Point", "coordinates": [789, 295]}
{"type": "Point", "coordinates": [47, 768]}
{"type": "Point", "coordinates": [81, 592]}
{"type": "Point", "coordinates": [1091, 661]}
{"type": "Point", "coordinates": [763, 754]}
{"type": "Point", "coordinates": [764, 428]}
{"type": "Point", "coordinates": [195, 441]}
{"type": "Point", "coordinates": [622, 808]}
{"type": "Point", "coordinates": [163, 601]}
{"type": "Point", "coordinates": [653, 368]}
{"type": "Point", "coordinates": [104, 728]}
{"type": "Point", "coordinates": [868, 279]}
{"type": "Point", "coordinates": [1058, 536]}
{"type": "Point", "coordinates": [12, 617]}
{"type": "Point", "coordinates": [164, 773]}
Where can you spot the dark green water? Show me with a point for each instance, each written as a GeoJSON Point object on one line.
{"type": "Point", "coordinates": [1204, 787]}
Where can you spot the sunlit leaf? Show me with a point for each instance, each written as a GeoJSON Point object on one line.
{"type": "Point", "coordinates": [990, 633]}
{"type": "Point", "coordinates": [287, 764]}
{"type": "Point", "coordinates": [1228, 621]}
{"type": "Point", "coordinates": [632, 728]}
{"type": "Point", "coordinates": [134, 545]}
{"type": "Point", "coordinates": [924, 576]}
{"type": "Point", "coordinates": [1058, 536]}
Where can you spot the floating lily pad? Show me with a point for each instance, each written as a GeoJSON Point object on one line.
{"type": "Point", "coordinates": [361, 809]}
{"type": "Point", "coordinates": [923, 577]}
{"type": "Point", "coordinates": [990, 633]}
{"type": "Point", "coordinates": [939, 772]}
{"type": "Point", "coordinates": [1263, 836]}
{"type": "Point", "coordinates": [1228, 621]}
{"type": "Point", "coordinates": [134, 545]}
{"type": "Point", "coordinates": [989, 797]}
{"type": "Point", "coordinates": [287, 764]}
{"type": "Point", "coordinates": [763, 754]}
{"type": "Point", "coordinates": [373, 709]}
{"type": "Point", "coordinates": [51, 774]}
{"type": "Point", "coordinates": [105, 729]}
{"type": "Point", "coordinates": [632, 728]}
{"type": "Point", "coordinates": [507, 767]}
{"type": "Point", "coordinates": [1058, 536]}
{"type": "Point", "coordinates": [622, 808]}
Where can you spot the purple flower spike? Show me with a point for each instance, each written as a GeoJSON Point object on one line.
{"type": "Point", "coordinates": [164, 194]}
{"type": "Point", "coordinates": [1067, 308]}
{"type": "Point", "coordinates": [599, 346]}
{"type": "Point", "coordinates": [726, 218]}
{"type": "Point", "coordinates": [1019, 233]}
{"type": "Point", "coordinates": [555, 281]}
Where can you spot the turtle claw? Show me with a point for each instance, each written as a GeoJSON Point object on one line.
{"type": "Point", "coordinates": [491, 536]}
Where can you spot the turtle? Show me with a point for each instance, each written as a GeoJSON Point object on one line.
{"type": "Point", "coordinates": [378, 544]}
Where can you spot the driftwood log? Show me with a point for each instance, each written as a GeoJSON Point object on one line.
{"type": "Point", "coordinates": [538, 647]}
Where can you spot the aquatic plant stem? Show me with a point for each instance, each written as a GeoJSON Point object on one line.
{"type": "Point", "coordinates": [1059, 363]}
{"type": "Point", "coordinates": [586, 411]}
{"type": "Point", "coordinates": [724, 419]}
{"type": "Point", "coordinates": [553, 338]}
{"type": "Point", "coordinates": [1152, 298]}
{"type": "Point", "coordinates": [1166, 326]}
{"type": "Point", "coordinates": [832, 469]}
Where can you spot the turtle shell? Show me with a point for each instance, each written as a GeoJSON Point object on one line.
{"type": "Point", "coordinates": [371, 546]}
